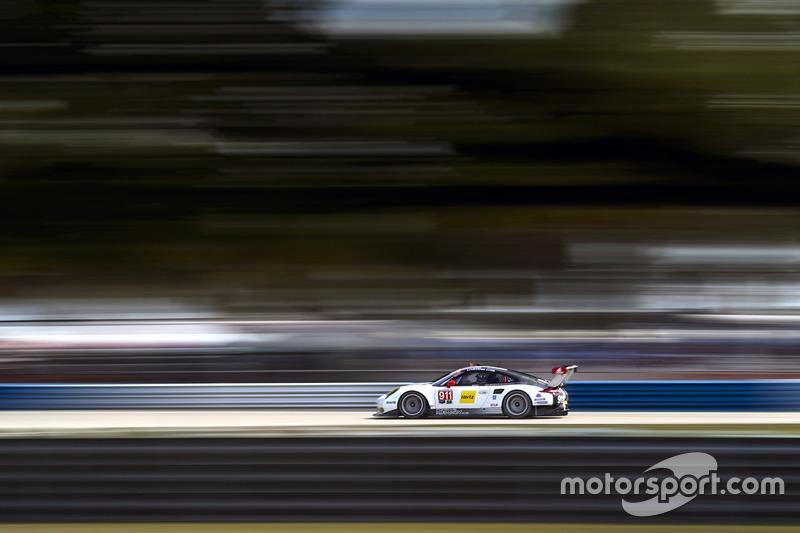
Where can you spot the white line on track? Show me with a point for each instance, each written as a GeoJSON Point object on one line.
{"type": "Point", "coordinates": [291, 423]}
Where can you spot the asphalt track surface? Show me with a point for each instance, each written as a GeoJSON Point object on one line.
{"type": "Point", "coordinates": [298, 423]}
{"type": "Point", "coordinates": [366, 479]}
{"type": "Point", "coordinates": [340, 466]}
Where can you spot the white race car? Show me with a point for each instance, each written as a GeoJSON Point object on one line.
{"type": "Point", "coordinates": [481, 390]}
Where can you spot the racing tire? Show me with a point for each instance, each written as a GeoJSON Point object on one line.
{"type": "Point", "coordinates": [412, 405]}
{"type": "Point", "coordinates": [517, 405]}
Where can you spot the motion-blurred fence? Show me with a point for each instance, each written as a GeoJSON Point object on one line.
{"type": "Point", "coordinates": [776, 395]}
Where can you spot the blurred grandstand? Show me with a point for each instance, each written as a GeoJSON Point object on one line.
{"type": "Point", "coordinates": [206, 191]}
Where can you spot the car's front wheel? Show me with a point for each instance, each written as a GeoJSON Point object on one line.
{"type": "Point", "coordinates": [517, 405]}
{"type": "Point", "coordinates": [413, 405]}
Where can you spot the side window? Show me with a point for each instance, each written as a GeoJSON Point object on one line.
{"type": "Point", "coordinates": [467, 378]}
{"type": "Point", "coordinates": [498, 378]}
{"type": "Point", "coordinates": [474, 378]}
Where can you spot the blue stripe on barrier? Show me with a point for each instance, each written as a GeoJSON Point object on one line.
{"type": "Point", "coordinates": [774, 395]}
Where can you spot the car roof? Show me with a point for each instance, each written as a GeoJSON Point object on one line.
{"type": "Point", "coordinates": [482, 367]}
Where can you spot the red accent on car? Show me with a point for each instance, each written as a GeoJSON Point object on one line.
{"type": "Point", "coordinates": [560, 370]}
{"type": "Point", "coordinates": [551, 391]}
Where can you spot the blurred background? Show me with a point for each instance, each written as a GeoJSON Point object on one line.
{"type": "Point", "coordinates": [272, 211]}
{"type": "Point", "coordinates": [365, 190]}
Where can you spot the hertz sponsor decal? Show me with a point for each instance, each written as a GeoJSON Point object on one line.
{"type": "Point", "coordinates": [467, 396]}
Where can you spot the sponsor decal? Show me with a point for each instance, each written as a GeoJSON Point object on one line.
{"type": "Point", "coordinates": [451, 412]}
{"type": "Point", "coordinates": [494, 405]}
{"type": "Point", "coordinates": [541, 402]}
{"type": "Point", "coordinates": [467, 396]}
{"type": "Point", "coordinates": [483, 392]}
{"type": "Point", "coordinates": [390, 403]}
{"type": "Point", "coordinates": [445, 396]}
{"type": "Point", "coordinates": [538, 395]}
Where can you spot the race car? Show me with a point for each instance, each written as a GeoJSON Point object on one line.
{"type": "Point", "coordinates": [481, 390]}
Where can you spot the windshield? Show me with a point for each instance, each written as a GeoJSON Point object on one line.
{"type": "Point", "coordinates": [444, 379]}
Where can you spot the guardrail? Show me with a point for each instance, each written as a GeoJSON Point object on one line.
{"type": "Point", "coordinates": [761, 395]}
{"type": "Point", "coordinates": [774, 395]}
{"type": "Point", "coordinates": [193, 396]}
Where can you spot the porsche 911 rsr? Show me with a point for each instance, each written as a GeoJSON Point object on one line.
{"type": "Point", "coordinates": [481, 390]}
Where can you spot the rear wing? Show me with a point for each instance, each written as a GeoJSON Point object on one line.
{"type": "Point", "coordinates": [562, 375]}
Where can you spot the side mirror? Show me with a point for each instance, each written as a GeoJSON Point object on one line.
{"type": "Point", "coordinates": [450, 383]}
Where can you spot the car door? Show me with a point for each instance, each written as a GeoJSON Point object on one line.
{"type": "Point", "coordinates": [499, 383]}
{"type": "Point", "coordinates": [470, 390]}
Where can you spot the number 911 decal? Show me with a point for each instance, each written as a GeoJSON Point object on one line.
{"type": "Point", "coordinates": [445, 396]}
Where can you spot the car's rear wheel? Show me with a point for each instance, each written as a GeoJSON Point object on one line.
{"type": "Point", "coordinates": [413, 405]}
{"type": "Point", "coordinates": [517, 405]}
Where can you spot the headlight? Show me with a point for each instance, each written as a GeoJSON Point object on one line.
{"type": "Point", "coordinates": [392, 392]}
